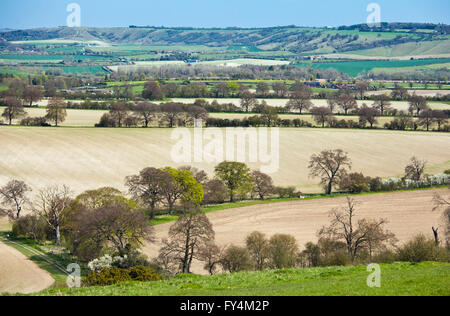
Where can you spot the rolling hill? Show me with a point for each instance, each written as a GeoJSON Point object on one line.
{"type": "Point", "coordinates": [288, 38]}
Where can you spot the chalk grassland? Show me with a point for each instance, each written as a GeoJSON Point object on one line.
{"type": "Point", "coordinates": [88, 158]}
{"type": "Point", "coordinates": [398, 279]}
{"type": "Point", "coordinates": [423, 49]}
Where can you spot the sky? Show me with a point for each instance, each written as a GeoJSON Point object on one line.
{"type": "Point", "coordinates": [23, 14]}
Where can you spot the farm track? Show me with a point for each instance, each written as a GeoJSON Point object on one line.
{"type": "Point", "coordinates": [18, 274]}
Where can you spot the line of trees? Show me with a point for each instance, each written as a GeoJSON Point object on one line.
{"type": "Point", "coordinates": [104, 221]}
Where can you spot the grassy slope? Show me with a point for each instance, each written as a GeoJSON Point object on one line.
{"type": "Point", "coordinates": [397, 279]}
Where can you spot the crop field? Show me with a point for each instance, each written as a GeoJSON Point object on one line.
{"type": "Point", "coordinates": [88, 158]}
{"type": "Point", "coordinates": [409, 213]}
{"type": "Point", "coordinates": [353, 68]}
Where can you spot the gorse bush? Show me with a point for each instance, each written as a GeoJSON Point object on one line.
{"type": "Point", "coordinates": [110, 276]}
{"type": "Point", "coordinates": [107, 276]}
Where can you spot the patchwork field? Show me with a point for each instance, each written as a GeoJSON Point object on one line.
{"type": "Point", "coordinates": [87, 158]}
{"type": "Point", "coordinates": [408, 213]}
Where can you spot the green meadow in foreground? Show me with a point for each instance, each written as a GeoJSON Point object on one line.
{"type": "Point", "coordinates": [399, 279]}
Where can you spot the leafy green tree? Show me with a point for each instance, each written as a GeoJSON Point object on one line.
{"type": "Point", "coordinates": [185, 188]}
{"type": "Point", "coordinates": [236, 176]}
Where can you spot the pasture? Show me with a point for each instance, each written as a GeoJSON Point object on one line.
{"type": "Point", "coordinates": [88, 158]}
{"type": "Point", "coordinates": [428, 278]}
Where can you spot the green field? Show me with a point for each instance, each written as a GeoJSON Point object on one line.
{"type": "Point", "coordinates": [79, 69]}
{"type": "Point", "coordinates": [353, 68]}
{"type": "Point", "coordinates": [399, 279]}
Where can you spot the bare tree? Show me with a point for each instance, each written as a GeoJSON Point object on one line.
{"type": "Point", "coordinates": [13, 110]}
{"type": "Point", "coordinates": [149, 186]}
{"type": "Point", "coordinates": [440, 117]}
{"type": "Point", "coordinates": [382, 102]}
{"type": "Point", "coordinates": [368, 115]}
{"type": "Point", "coordinates": [346, 101]}
{"type": "Point", "coordinates": [14, 196]}
{"type": "Point", "coordinates": [300, 100]}
{"type": "Point", "coordinates": [280, 89]}
{"type": "Point", "coordinates": [117, 227]}
{"type": "Point", "coordinates": [415, 169]}
{"type": "Point", "coordinates": [211, 255]}
{"type": "Point", "coordinates": [119, 111]}
{"type": "Point", "coordinates": [32, 94]}
{"type": "Point", "coordinates": [330, 166]}
{"type": "Point", "coordinates": [322, 115]}
{"type": "Point", "coordinates": [357, 235]}
{"type": "Point", "coordinates": [146, 111]}
{"type": "Point", "coordinates": [362, 88]}
{"type": "Point", "coordinates": [262, 184]}
{"type": "Point", "coordinates": [187, 236]}
{"type": "Point", "coordinates": [56, 110]}
{"type": "Point", "coordinates": [52, 205]}
{"type": "Point", "coordinates": [171, 112]}
{"type": "Point", "coordinates": [417, 103]}
{"type": "Point", "coordinates": [257, 246]}
{"type": "Point", "coordinates": [442, 203]}
{"type": "Point", "coordinates": [197, 113]}
{"type": "Point", "coordinates": [426, 119]}
{"type": "Point", "coordinates": [248, 101]}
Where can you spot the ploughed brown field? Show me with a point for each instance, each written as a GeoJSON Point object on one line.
{"type": "Point", "coordinates": [18, 274]}
{"type": "Point", "coordinates": [89, 158]}
{"type": "Point", "coordinates": [408, 213]}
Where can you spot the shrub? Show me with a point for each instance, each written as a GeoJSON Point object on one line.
{"type": "Point", "coordinates": [114, 275]}
{"type": "Point", "coordinates": [105, 262]}
{"type": "Point", "coordinates": [106, 121]}
{"type": "Point", "coordinates": [375, 184]}
{"type": "Point", "coordinates": [289, 192]}
{"type": "Point", "coordinates": [31, 226]}
{"type": "Point", "coordinates": [215, 192]}
{"type": "Point", "coordinates": [354, 183]}
{"type": "Point", "coordinates": [144, 274]}
{"type": "Point", "coordinates": [107, 276]}
{"type": "Point", "coordinates": [447, 171]}
{"type": "Point", "coordinates": [282, 251]}
{"type": "Point", "coordinates": [236, 259]}
{"type": "Point", "coordinates": [421, 249]}
{"type": "Point", "coordinates": [35, 121]}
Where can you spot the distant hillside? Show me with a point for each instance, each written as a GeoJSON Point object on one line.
{"type": "Point", "coordinates": [289, 38]}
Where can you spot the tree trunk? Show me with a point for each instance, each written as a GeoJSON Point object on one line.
{"type": "Point", "coordinates": [436, 235]}
{"type": "Point", "coordinates": [58, 235]}
{"type": "Point", "coordinates": [329, 188]}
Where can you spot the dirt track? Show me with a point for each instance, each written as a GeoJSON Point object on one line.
{"type": "Point", "coordinates": [18, 274]}
{"type": "Point", "coordinates": [408, 213]}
